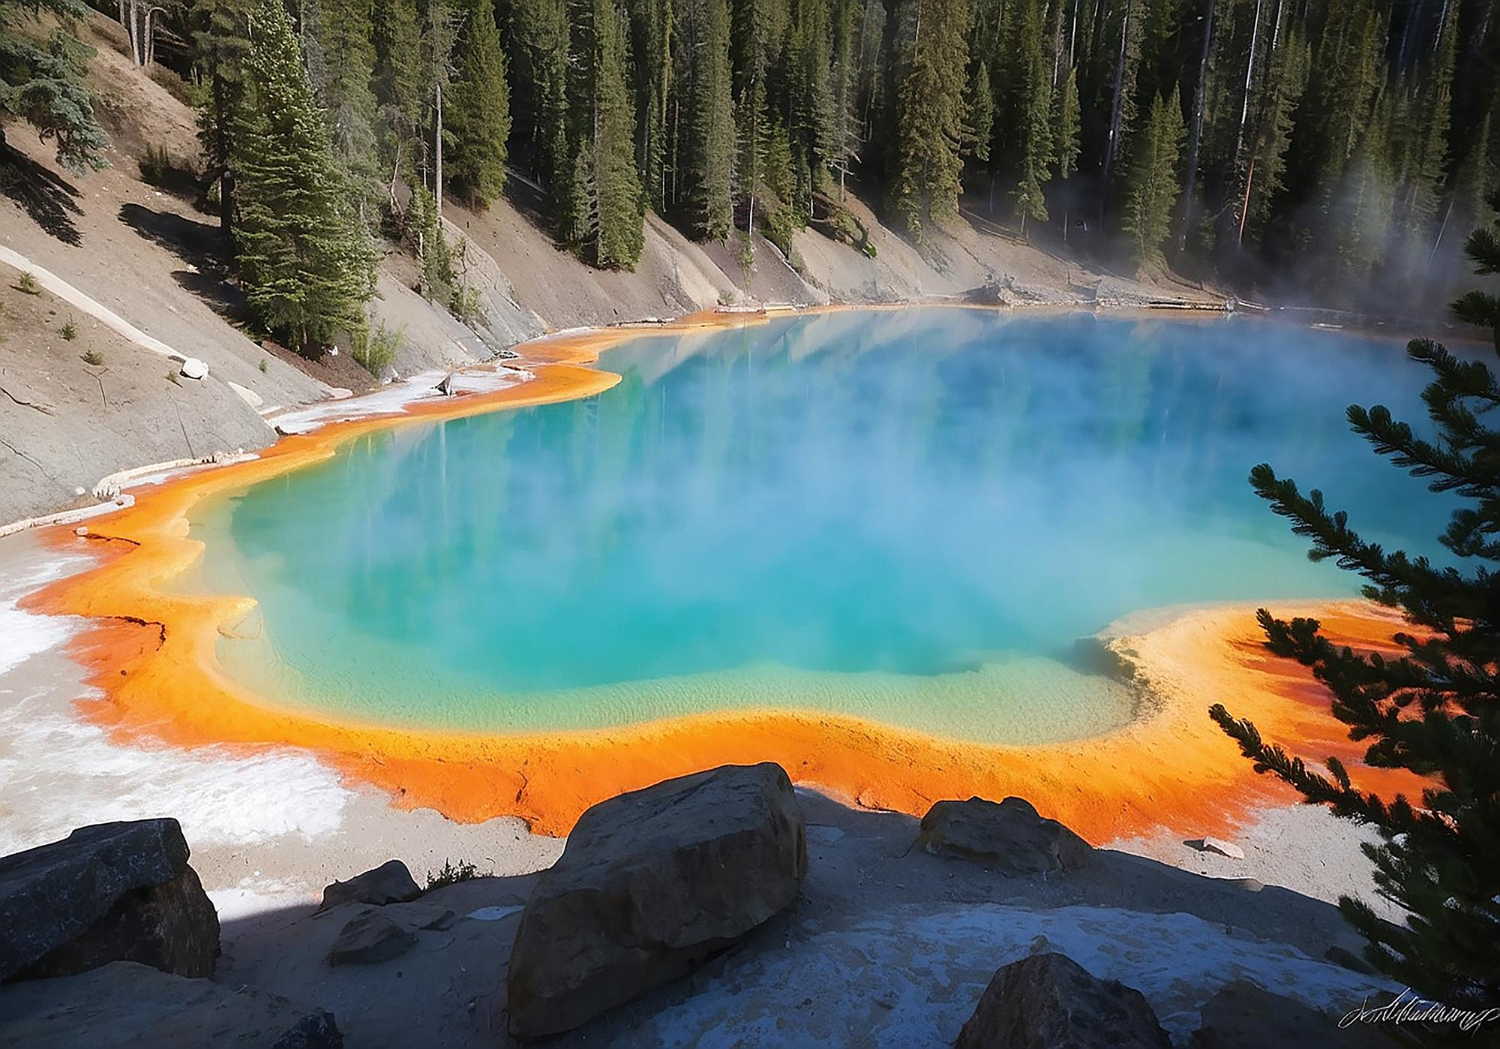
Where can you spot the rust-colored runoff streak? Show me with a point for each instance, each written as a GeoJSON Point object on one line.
{"type": "Point", "coordinates": [151, 653]}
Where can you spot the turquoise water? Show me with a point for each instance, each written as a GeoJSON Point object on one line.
{"type": "Point", "coordinates": [912, 516]}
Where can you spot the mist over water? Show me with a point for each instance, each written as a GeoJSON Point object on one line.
{"type": "Point", "coordinates": [911, 516]}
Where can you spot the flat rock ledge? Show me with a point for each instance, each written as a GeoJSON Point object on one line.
{"type": "Point", "coordinates": [650, 884]}
{"type": "Point", "coordinates": [1011, 836]}
{"type": "Point", "coordinates": [1049, 1001]}
{"type": "Point", "coordinates": [110, 892]}
{"type": "Point", "coordinates": [127, 1004]}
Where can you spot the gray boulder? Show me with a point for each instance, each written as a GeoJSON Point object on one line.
{"type": "Point", "coordinates": [650, 884]}
{"type": "Point", "coordinates": [369, 938]}
{"type": "Point", "coordinates": [111, 892]}
{"type": "Point", "coordinates": [1243, 1016]}
{"type": "Point", "coordinates": [1049, 1001]}
{"type": "Point", "coordinates": [126, 1005]}
{"type": "Point", "coordinates": [1010, 836]}
{"type": "Point", "coordinates": [391, 882]}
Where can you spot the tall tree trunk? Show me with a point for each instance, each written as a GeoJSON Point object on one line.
{"type": "Point", "coordinates": [437, 148]}
{"type": "Point", "coordinates": [1239, 140]}
{"type": "Point", "coordinates": [1406, 34]}
{"type": "Point", "coordinates": [1195, 136]}
{"type": "Point", "coordinates": [1117, 108]}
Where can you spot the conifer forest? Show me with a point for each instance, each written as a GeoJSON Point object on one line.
{"type": "Point", "coordinates": [1335, 150]}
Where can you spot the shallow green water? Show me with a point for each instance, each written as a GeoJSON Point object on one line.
{"type": "Point", "coordinates": [910, 516]}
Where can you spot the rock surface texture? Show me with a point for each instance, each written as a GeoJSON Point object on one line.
{"type": "Point", "coordinates": [369, 938]}
{"type": "Point", "coordinates": [1010, 836]}
{"type": "Point", "coordinates": [1243, 1016]}
{"type": "Point", "coordinates": [1049, 1001]}
{"type": "Point", "coordinates": [125, 1004]}
{"type": "Point", "coordinates": [391, 882]}
{"type": "Point", "coordinates": [110, 892]}
{"type": "Point", "coordinates": [650, 884]}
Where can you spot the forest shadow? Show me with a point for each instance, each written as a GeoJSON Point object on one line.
{"type": "Point", "coordinates": [199, 245]}
{"type": "Point", "coordinates": [528, 198]}
{"type": "Point", "coordinates": [41, 193]}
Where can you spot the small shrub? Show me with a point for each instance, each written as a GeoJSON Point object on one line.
{"type": "Point", "coordinates": [70, 331]}
{"type": "Point", "coordinates": [745, 254]}
{"type": "Point", "coordinates": [177, 87]}
{"type": "Point", "coordinates": [263, 367]}
{"type": "Point", "coordinates": [156, 165]}
{"type": "Point", "coordinates": [377, 351]}
{"type": "Point", "coordinates": [172, 377]}
{"type": "Point", "coordinates": [92, 357]}
{"type": "Point", "coordinates": [453, 873]}
{"type": "Point", "coordinates": [868, 249]}
{"type": "Point", "coordinates": [27, 283]}
{"type": "Point", "coordinates": [465, 304]}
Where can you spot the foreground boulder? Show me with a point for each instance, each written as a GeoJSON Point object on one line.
{"type": "Point", "coordinates": [125, 1004]}
{"type": "Point", "coordinates": [391, 882]}
{"type": "Point", "coordinates": [1011, 836]}
{"type": "Point", "coordinates": [111, 892]}
{"type": "Point", "coordinates": [1049, 1001]}
{"type": "Point", "coordinates": [1243, 1016]}
{"type": "Point", "coordinates": [650, 884]}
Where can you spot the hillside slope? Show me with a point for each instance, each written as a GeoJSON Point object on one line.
{"type": "Point", "coordinates": [149, 255]}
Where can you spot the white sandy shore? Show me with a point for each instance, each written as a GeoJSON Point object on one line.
{"type": "Point", "coordinates": [271, 829]}
{"type": "Point", "coordinates": [266, 830]}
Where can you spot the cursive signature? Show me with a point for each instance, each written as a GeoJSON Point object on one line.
{"type": "Point", "coordinates": [1408, 1007]}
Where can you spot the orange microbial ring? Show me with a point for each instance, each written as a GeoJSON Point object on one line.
{"type": "Point", "coordinates": [151, 653]}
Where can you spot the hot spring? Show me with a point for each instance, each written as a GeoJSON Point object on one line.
{"type": "Point", "coordinates": [918, 517]}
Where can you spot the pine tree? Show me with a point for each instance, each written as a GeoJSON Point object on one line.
{"type": "Point", "coordinates": [423, 232]}
{"type": "Point", "coordinates": [1423, 190]}
{"type": "Point", "coordinates": [1272, 136]}
{"type": "Point", "coordinates": [1477, 175]}
{"type": "Point", "coordinates": [1435, 709]}
{"type": "Point", "coordinates": [1066, 125]}
{"type": "Point", "coordinates": [1363, 209]}
{"type": "Point", "coordinates": [651, 29]}
{"type": "Point", "coordinates": [306, 261]}
{"type": "Point", "coordinates": [477, 111]}
{"type": "Point", "coordinates": [440, 31]}
{"type": "Point", "coordinates": [809, 120]}
{"type": "Point", "coordinates": [711, 146]}
{"type": "Point", "coordinates": [980, 105]}
{"type": "Point", "coordinates": [1035, 120]}
{"type": "Point", "coordinates": [1124, 55]}
{"type": "Point", "coordinates": [343, 35]}
{"type": "Point", "coordinates": [1340, 96]}
{"type": "Point", "coordinates": [542, 34]}
{"type": "Point", "coordinates": [1478, 307]}
{"type": "Point", "coordinates": [1152, 188]}
{"type": "Point", "coordinates": [929, 114]}
{"type": "Point", "coordinates": [753, 135]}
{"type": "Point", "coordinates": [606, 193]}
{"type": "Point", "coordinates": [41, 81]}
{"type": "Point", "coordinates": [397, 38]}
{"type": "Point", "coordinates": [844, 88]}
{"type": "Point", "coordinates": [221, 43]}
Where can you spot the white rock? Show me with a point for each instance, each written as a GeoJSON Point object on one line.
{"type": "Point", "coordinates": [249, 396]}
{"type": "Point", "coordinates": [80, 530]}
{"type": "Point", "coordinates": [1223, 848]}
{"type": "Point", "coordinates": [193, 368]}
